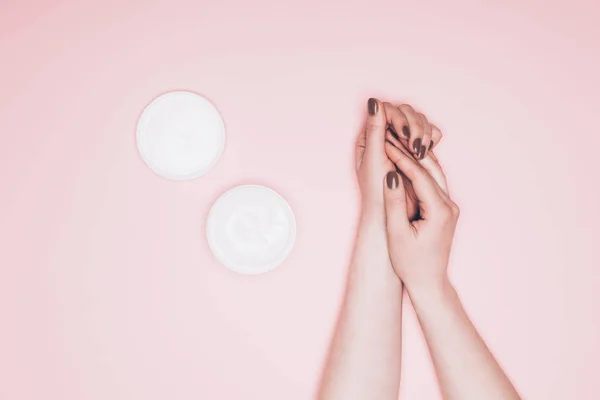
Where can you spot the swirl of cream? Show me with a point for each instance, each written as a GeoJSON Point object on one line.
{"type": "Point", "coordinates": [254, 229]}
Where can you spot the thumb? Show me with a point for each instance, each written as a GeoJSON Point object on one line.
{"type": "Point", "coordinates": [375, 127]}
{"type": "Point", "coordinates": [395, 205]}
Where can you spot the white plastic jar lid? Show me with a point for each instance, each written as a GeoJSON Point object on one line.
{"type": "Point", "coordinates": [180, 135]}
{"type": "Point", "coordinates": [251, 229]}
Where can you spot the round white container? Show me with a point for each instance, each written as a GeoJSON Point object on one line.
{"type": "Point", "coordinates": [180, 135]}
{"type": "Point", "coordinates": [251, 229]}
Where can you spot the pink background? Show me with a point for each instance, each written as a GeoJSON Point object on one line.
{"type": "Point", "coordinates": [107, 287]}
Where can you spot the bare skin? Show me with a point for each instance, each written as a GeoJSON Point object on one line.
{"type": "Point", "coordinates": [364, 360]}
{"type": "Point", "coordinates": [404, 238]}
{"type": "Point", "coordinates": [419, 251]}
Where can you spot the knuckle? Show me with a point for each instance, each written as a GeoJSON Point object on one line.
{"type": "Point", "coordinates": [446, 213]}
{"type": "Point", "coordinates": [420, 124]}
{"type": "Point", "coordinates": [426, 125]}
{"type": "Point", "coordinates": [395, 157]}
{"type": "Point", "coordinates": [406, 108]}
{"type": "Point", "coordinates": [455, 209]}
{"type": "Point", "coordinates": [399, 118]}
{"type": "Point", "coordinates": [397, 201]}
{"type": "Point", "coordinates": [396, 161]}
{"type": "Point", "coordinates": [436, 134]}
{"type": "Point", "coordinates": [372, 126]}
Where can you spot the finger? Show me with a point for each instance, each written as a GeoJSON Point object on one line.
{"type": "Point", "coordinates": [433, 167]}
{"type": "Point", "coordinates": [394, 196]}
{"type": "Point", "coordinates": [416, 129]}
{"type": "Point", "coordinates": [397, 121]}
{"type": "Point", "coordinates": [425, 187]}
{"type": "Point", "coordinates": [401, 144]}
{"type": "Point", "coordinates": [426, 136]}
{"type": "Point", "coordinates": [432, 155]}
{"type": "Point", "coordinates": [375, 127]}
{"type": "Point", "coordinates": [359, 149]}
{"type": "Point", "coordinates": [430, 162]}
{"type": "Point", "coordinates": [436, 136]}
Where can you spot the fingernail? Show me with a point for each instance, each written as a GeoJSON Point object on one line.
{"type": "Point", "coordinates": [431, 145]}
{"type": "Point", "coordinates": [372, 106]}
{"type": "Point", "coordinates": [394, 134]}
{"type": "Point", "coordinates": [417, 146]}
{"type": "Point", "coordinates": [392, 180]}
{"type": "Point", "coordinates": [422, 152]}
{"type": "Point", "coordinates": [406, 131]}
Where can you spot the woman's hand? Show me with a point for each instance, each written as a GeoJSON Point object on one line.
{"type": "Point", "coordinates": [365, 357]}
{"type": "Point", "coordinates": [419, 250]}
{"type": "Point", "coordinates": [372, 163]}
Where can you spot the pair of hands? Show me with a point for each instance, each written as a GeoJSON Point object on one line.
{"type": "Point", "coordinates": [409, 188]}
{"type": "Point", "coordinates": [408, 221]}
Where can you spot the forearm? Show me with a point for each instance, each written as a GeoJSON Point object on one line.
{"type": "Point", "coordinates": [364, 361]}
{"type": "Point", "coordinates": [465, 367]}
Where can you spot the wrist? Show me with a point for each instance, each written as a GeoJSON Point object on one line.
{"type": "Point", "coordinates": [434, 291]}
{"type": "Point", "coordinates": [370, 259]}
{"type": "Point", "coordinates": [372, 213]}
